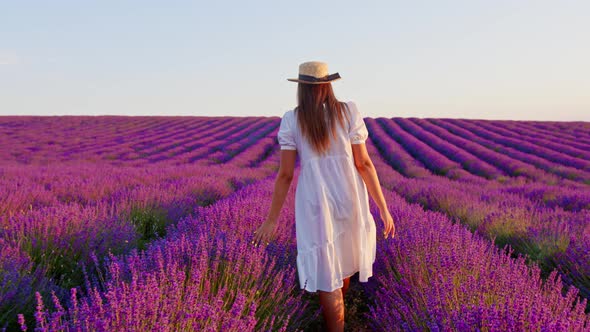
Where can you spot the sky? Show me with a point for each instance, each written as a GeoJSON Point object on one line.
{"type": "Point", "coordinates": [513, 60]}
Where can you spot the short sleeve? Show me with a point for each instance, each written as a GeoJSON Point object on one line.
{"type": "Point", "coordinates": [286, 136]}
{"type": "Point", "coordinates": [357, 132]}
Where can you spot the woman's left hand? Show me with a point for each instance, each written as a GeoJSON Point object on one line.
{"type": "Point", "coordinates": [265, 233]}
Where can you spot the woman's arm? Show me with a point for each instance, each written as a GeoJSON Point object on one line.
{"type": "Point", "coordinates": [282, 182]}
{"type": "Point", "coordinates": [366, 169]}
{"type": "Point", "coordinates": [265, 232]}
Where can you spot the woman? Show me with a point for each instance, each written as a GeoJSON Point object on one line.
{"type": "Point", "coordinates": [335, 230]}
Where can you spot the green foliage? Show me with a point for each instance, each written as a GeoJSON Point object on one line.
{"type": "Point", "coordinates": [111, 156]}
{"type": "Point", "coordinates": [207, 196]}
{"type": "Point", "coordinates": [503, 179]}
{"type": "Point", "coordinates": [150, 223]}
{"type": "Point", "coordinates": [237, 183]}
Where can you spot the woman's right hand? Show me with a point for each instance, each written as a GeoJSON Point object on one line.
{"type": "Point", "coordinates": [388, 226]}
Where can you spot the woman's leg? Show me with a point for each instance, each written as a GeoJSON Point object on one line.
{"type": "Point", "coordinates": [333, 309]}
{"type": "Point", "coordinates": [345, 286]}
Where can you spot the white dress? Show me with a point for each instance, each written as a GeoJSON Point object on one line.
{"type": "Point", "coordinates": [335, 230]}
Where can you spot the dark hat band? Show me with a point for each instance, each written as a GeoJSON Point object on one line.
{"type": "Point", "coordinates": [321, 79]}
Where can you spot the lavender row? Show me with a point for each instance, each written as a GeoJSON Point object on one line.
{"type": "Point", "coordinates": [563, 129]}
{"type": "Point", "coordinates": [201, 148]}
{"type": "Point", "coordinates": [128, 138]}
{"type": "Point", "coordinates": [179, 136]}
{"type": "Point", "coordinates": [256, 149]}
{"type": "Point", "coordinates": [566, 195]}
{"type": "Point", "coordinates": [433, 160]}
{"type": "Point", "coordinates": [553, 140]}
{"type": "Point", "coordinates": [67, 137]}
{"type": "Point", "coordinates": [93, 141]}
{"type": "Point", "coordinates": [510, 166]}
{"type": "Point", "coordinates": [226, 153]}
{"type": "Point", "coordinates": [537, 127]}
{"type": "Point", "coordinates": [120, 143]}
{"type": "Point", "coordinates": [258, 152]}
{"type": "Point", "coordinates": [549, 148]}
{"type": "Point", "coordinates": [439, 276]}
{"type": "Point", "coordinates": [151, 148]}
{"type": "Point", "coordinates": [530, 159]}
{"type": "Point", "coordinates": [434, 274]}
{"type": "Point", "coordinates": [554, 238]}
{"type": "Point", "coordinates": [205, 275]}
{"type": "Point", "coordinates": [395, 155]}
{"type": "Point", "coordinates": [70, 212]}
{"type": "Point", "coordinates": [453, 152]}
{"type": "Point", "coordinates": [202, 140]}
{"type": "Point", "coordinates": [556, 157]}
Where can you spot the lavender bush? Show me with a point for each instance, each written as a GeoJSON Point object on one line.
{"type": "Point", "coordinates": [144, 223]}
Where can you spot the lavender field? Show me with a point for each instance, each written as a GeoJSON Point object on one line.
{"type": "Point", "coordinates": [116, 223]}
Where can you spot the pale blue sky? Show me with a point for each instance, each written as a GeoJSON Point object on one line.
{"type": "Point", "coordinates": [456, 59]}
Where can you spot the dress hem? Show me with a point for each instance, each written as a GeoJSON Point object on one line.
{"type": "Point", "coordinates": [368, 272]}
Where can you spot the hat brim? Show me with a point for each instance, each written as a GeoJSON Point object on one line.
{"type": "Point", "coordinates": [308, 82]}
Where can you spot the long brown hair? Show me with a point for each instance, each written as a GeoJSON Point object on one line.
{"type": "Point", "coordinates": [315, 125]}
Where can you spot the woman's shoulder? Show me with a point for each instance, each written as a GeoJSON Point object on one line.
{"type": "Point", "coordinates": [351, 103]}
{"type": "Point", "coordinates": [289, 113]}
{"type": "Point", "coordinates": [289, 116]}
{"type": "Point", "coordinates": [351, 107]}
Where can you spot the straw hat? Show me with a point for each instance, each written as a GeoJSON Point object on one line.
{"type": "Point", "coordinates": [314, 72]}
